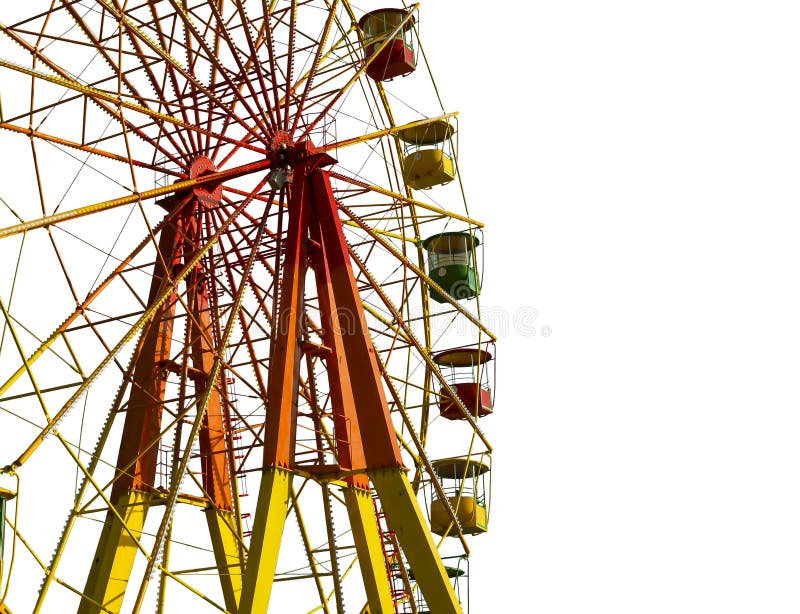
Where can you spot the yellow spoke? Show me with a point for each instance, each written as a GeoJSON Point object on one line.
{"type": "Point", "coordinates": [105, 205]}
{"type": "Point", "coordinates": [387, 131]}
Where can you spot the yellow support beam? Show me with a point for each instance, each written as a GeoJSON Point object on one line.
{"type": "Point", "coordinates": [369, 549]}
{"type": "Point", "coordinates": [265, 542]}
{"type": "Point", "coordinates": [411, 528]}
{"type": "Point", "coordinates": [111, 568]}
{"type": "Point", "coordinates": [225, 542]}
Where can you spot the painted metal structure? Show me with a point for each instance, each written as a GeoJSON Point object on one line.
{"type": "Point", "coordinates": [217, 352]}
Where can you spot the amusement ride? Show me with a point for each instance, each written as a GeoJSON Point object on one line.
{"type": "Point", "coordinates": [242, 360]}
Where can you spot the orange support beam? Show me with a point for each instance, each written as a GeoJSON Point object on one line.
{"type": "Point", "coordinates": [134, 485]}
{"type": "Point", "coordinates": [346, 429]}
{"type": "Point", "coordinates": [282, 392]}
{"type": "Point", "coordinates": [285, 355]}
{"type": "Point", "coordinates": [371, 411]}
{"type": "Point", "coordinates": [214, 451]}
{"type": "Point", "coordinates": [138, 451]}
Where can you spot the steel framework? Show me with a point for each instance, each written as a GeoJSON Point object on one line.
{"type": "Point", "coordinates": [247, 314]}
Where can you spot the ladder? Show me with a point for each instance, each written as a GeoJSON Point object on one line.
{"type": "Point", "coordinates": [393, 558]}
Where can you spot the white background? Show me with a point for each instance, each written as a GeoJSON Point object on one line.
{"type": "Point", "coordinates": [637, 167]}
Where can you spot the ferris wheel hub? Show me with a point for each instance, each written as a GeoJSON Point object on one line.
{"type": "Point", "coordinates": [286, 154]}
{"type": "Point", "coordinates": [282, 140]}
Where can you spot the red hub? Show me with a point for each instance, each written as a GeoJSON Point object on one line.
{"type": "Point", "coordinates": [208, 194]}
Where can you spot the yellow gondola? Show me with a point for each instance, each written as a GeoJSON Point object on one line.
{"type": "Point", "coordinates": [464, 485]}
{"type": "Point", "coordinates": [428, 158]}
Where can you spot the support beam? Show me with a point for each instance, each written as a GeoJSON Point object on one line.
{"type": "Point", "coordinates": [375, 426]}
{"type": "Point", "coordinates": [214, 452]}
{"type": "Point", "coordinates": [367, 537]}
{"type": "Point", "coordinates": [227, 554]}
{"type": "Point", "coordinates": [138, 453]}
{"type": "Point", "coordinates": [268, 524]}
{"type": "Point", "coordinates": [405, 517]}
{"type": "Point", "coordinates": [282, 392]}
{"type": "Point", "coordinates": [113, 562]}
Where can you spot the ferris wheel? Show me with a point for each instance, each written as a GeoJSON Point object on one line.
{"type": "Point", "coordinates": [242, 360]}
